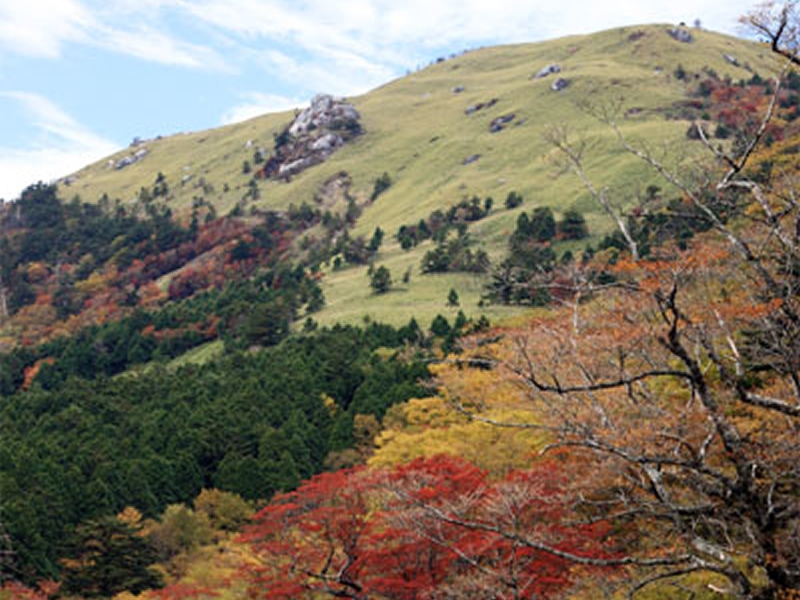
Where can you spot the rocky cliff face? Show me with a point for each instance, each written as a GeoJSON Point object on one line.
{"type": "Point", "coordinates": [316, 133]}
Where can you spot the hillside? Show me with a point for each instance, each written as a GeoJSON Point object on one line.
{"type": "Point", "coordinates": [282, 383]}
{"type": "Point", "coordinates": [417, 131]}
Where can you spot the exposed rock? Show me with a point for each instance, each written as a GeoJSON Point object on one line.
{"type": "Point", "coordinates": [325, 112]}
{"type": "Point", "coordinates": [548, 70]}
{"type": "Point", "coordinates": [328, 142]}
{"type": "Point", "coordinates": [731, 59]}
{"type": "Point", "coordinates": [458, 89]}
{"type": "Point", "coordinates": [471, 159]}
{"type": "Point", "coordinates": [335, 190]}
{"type": "Point", "coordinates": [294, 167]}
{"type": "Point", "coordinates": [559, 84]}
{"type": "Point", "coordinates": [126, 161]}
{"type": "Point", "coordinates": [680, 35]}
{"type": "Point", "coordinates": [315, 133]}
{"type": "Point", "coordinates": [499, 123]}
{"type": "Point", "coordinates": [480, 106]}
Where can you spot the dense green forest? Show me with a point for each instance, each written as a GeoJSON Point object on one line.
{"type": "Point", "coordinates": [252, 423]}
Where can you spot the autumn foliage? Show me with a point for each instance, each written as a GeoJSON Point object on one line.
{"type": "Point", "coordinates": [436, 527]}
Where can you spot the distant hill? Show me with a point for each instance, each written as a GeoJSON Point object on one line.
{"type": "Point", "coordinates": [466, 126]}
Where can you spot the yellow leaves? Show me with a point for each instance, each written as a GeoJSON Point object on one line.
{"type": "Point", "coordinates": [427, 427]}
{"type": "Point", "coordinates": [130, 516]}
{"type": "Point", "coordinates": [226, 511]}
{"type": "Point", "coordinates": [419, 414]}
{"type": "Point", "coordinates": [329, 404]}
{"type": "Point", "coordinates": [37, 272]}
{"type": "Point", "coordinates": [94, 284]}
{"type": "Point", "coordinates": [479, 387]}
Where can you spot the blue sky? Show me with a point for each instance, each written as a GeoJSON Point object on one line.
{"type": "Point", "coordinates": [80, 79]}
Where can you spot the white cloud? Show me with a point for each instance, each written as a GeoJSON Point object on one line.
{"type": "Point", "coordinates": [349, 47]}
{"type": "Point", "coordinates": [40, 27]}
{"type": "Point", "coordinates": [151, 45]}
{"type": "Point", "coordinates": [61, 146]}
{"type": "Point", "coordinates": [257, 104]}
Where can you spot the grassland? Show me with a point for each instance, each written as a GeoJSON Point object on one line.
{"type": "Point", "coordinates": [418, 132]}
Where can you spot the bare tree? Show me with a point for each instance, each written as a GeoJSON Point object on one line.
{"type": "Point", "coordinates": [777, 24]}
{"type": "Point", "coordinates": [573, 156]}
{"type": "Point", "coordinates": [683, 390]}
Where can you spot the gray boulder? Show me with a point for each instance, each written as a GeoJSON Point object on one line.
{"type": "Point", "coordinates": [680, 35]}
{"type": "Point", "coordinates": [731, 59]}
{"type": "Point", "coordinates": [548, 70]}
{"type": "Point", "coordinates": [325, 111]}
{"type": "Point", "coordinates": [499, 123]}
{"type": "Point", "coordinates": [328, 142]}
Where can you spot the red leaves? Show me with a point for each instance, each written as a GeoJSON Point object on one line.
{"type": "Point", "coordinates": [311, 538]}
{"type": "Point", "coordinates": [13, 590]}
{"type": "Point", "coordinates": [430, 524]}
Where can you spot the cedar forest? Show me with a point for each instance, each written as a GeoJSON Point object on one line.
{"type": "Point", "coordinates": [635, 433]}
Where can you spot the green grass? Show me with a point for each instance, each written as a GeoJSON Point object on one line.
{"type": "Point", "coordinates": [349, 297]}
{"type": "Point", "coordinates": [199, 355]}
{"type": "Point", "coordinates": [417, 131]}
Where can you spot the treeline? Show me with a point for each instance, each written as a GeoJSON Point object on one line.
{"type": "Point", "coordinates": [531, 259]}
{"type": "Point", "coordinates": [64, 266]}
{"type": "Point", "coordinates": [439, 223]}
{"type": "Point", "coordinates": [256, 311]}
{"type": "Point", "coordinates": [251, 423]}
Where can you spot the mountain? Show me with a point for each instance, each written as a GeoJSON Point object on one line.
{"type": "Point", "coordinates": [424, 128]}
{"type": "Point", "coordinates": [175, 352]}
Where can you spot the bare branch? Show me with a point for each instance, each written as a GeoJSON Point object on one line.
{"type": "Point", "coordinates": [790, 410]}
{"type": "Point", "coordinates": [559, 140]}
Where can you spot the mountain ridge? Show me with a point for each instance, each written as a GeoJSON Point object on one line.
{"type": "Point", "coordinates": [428, 134]}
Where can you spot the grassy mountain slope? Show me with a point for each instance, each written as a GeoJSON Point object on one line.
{"type": "Point", "coordinates": [418, 132]}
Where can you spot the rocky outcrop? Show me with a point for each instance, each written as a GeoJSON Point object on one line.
{"type": "Point", "coordinates": [131, 159]}
{"type": "Point", "coordinates": [680, 35]}
{"type": "Point", "coordinates": [500, 123]}
{"type": "Point", "coordinates": [325, 113]}
{"type": "Point", "coordinates": [548, 70]}
{"type": "Point", "coordinates": [471, 110]}
{"type": "Point", "coordinates": [559, 84]}
{"type": "Point", "coordinates": [315, 133]}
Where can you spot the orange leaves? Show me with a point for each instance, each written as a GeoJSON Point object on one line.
{"type": "Point", "coordinates": [32, 371]}
{"type": "Point", "coordinates": [13, 590]}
